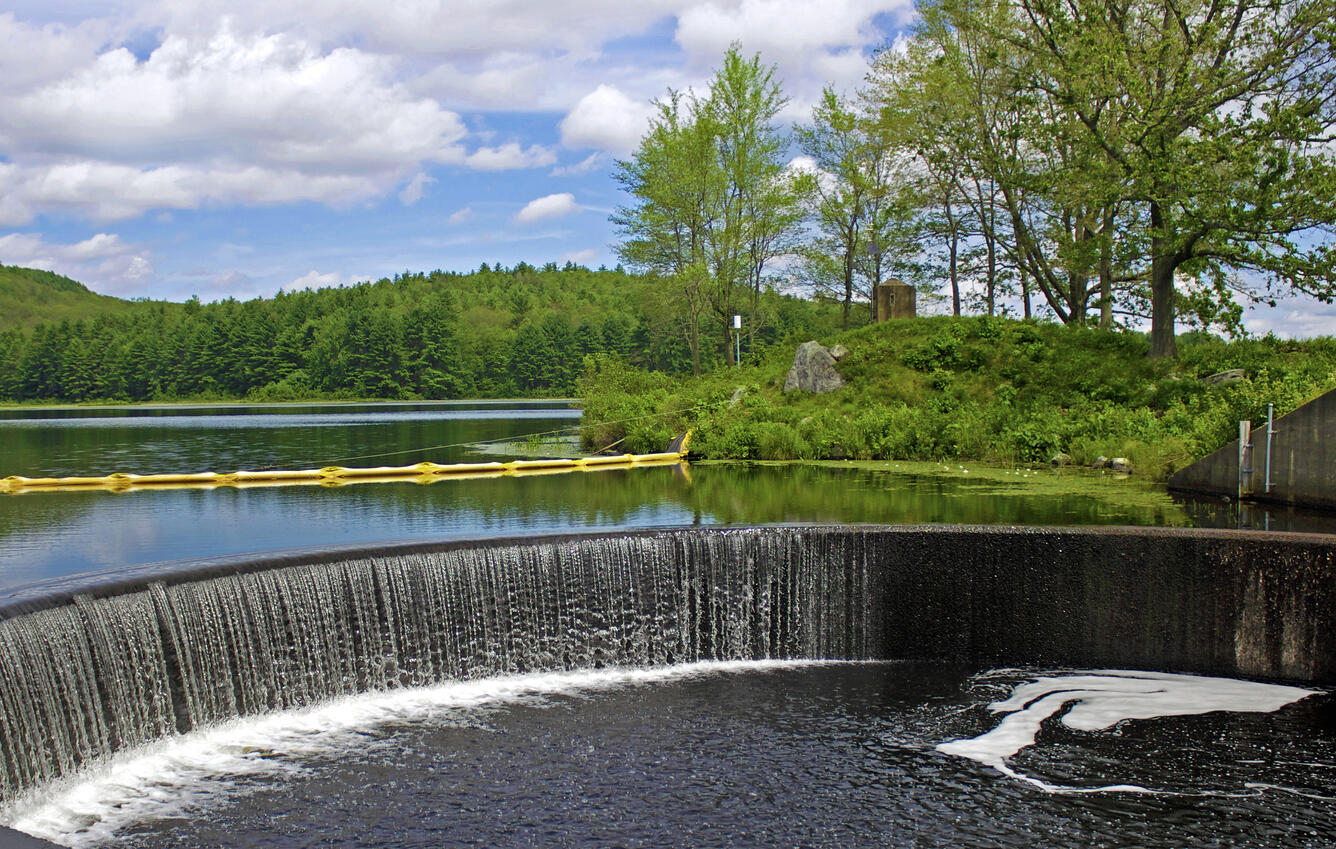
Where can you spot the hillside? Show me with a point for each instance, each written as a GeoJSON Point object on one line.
{"type": "Point", "coordinates": [29, 297]}
{"type": "Point", "coordinates": [999, 390]}
{"type": "Point", "coordinates": [493, 332]}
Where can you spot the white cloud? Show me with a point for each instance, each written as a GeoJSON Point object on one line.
{"type": "Point", "coordinates": [550, 206]}
{"type": "Point", "coordinates": [103, 262]}
{"type": "Point", "coordinates": [315, 280]}
{"type": "Point", "coordinates": [813, 44]}
{"type": "Point", "coordinates": [412, 193]}
{"type": "Point", "coordinates": [108, 191]}
{"type": "Point", "coordinates": [583, 257]}
{"type": "Point", "coordinates": [36, 55]}
{"type": "Point", "coordinates": [588, 165]}
{"type": "Point", "coordinates": [461, 215]}
{"type": "Point", "coordinates": [436, 28]}
{"type": "Point", "coordinates": [783, 30]}
{"type": "Point", "coordinates": [509, 157]}
{"type": "Point", "coordinates": [606, 119]}
{"type": "Point", "coordinates": [1295, 317]}
{"type": "Point", "coordinates": [274, 99]}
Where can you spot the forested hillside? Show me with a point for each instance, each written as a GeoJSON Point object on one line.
{"type": "Point", "coordinates": [493, 332]}
{"type": "Point", "coordinates": [29, 296]}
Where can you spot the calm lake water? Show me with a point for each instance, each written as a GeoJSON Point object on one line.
{"type": "Point", "coordinates": [45, 534]}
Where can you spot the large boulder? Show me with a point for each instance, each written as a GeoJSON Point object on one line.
{"type": "Point", "coordinates": [813, 370]}
{"type": "Point", "coordinates": [1224, 378]}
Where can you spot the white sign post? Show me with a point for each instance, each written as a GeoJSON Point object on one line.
{"type": "Point", "coordinates": [737, 341]}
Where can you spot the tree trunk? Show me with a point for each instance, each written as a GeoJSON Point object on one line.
{"type": "Point", "coordinates": [1163, 264]}
{"type": "Point", "coordinates": [953, 247]}
{"type": "Point", "coordinates": [1106, 273]}
{"type": "Point", "coordinates": [848, 285]}
{"type": "Point", "coordinates": [1025, 289]}
{"type": "Point", "coordinates": [1162, 269]}
{"type": "Point", "coordinates": [992, 272]}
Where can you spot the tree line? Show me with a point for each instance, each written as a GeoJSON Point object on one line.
{"type": "Point", "coordinates": [1101, 162]}
{"type": "Point", "coordinates": [493, 332]}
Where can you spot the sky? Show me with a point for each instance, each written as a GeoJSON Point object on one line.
{"type": "Point", "coordinates": [232, 148]}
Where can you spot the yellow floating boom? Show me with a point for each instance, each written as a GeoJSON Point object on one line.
{"type": "Point", "coordinates": [340, 476]}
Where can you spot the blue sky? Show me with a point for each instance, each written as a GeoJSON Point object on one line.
{"type": "Point", "coordinates": [168, 148]}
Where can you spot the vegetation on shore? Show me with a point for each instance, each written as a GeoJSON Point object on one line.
{"type": "Point", "coordinates": [494, 332]}
{"type": "Point", "coordinates": [974, 388]}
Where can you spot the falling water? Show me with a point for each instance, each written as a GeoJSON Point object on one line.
{"type": "Point", "coordinates": [102, 674]}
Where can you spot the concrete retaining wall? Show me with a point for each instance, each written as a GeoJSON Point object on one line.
{"type": "Point", "coordinates": [1303, 461]}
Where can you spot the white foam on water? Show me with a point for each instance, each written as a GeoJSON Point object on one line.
{"type": "Point", "coordinates": [1097, 700]}
{"type": "Point", "coordinates": [177, 775]}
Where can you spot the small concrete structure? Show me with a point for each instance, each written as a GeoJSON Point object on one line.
{"type": "Point", "coordinates": [1303, 461]}
{"type": "Point", "coordinates": [894, 300]}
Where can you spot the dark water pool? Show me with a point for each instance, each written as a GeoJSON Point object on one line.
{"type": "Point", "coordinates": [839, 755]}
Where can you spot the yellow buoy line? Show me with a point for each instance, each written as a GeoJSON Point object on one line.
{"type": "Point", "coordinates": [422, 473]}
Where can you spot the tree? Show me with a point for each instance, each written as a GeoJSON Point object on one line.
{"type": "Point", "coordinates": [1205, 124]}
{"type": "Point", "coordinates": [713, 202]}
{"type": "Point", "coordinates": [847, 162]}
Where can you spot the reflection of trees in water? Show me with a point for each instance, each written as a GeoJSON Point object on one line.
{"type": "Point", "coordinates": [1214, 512]}
{"type": "Point", "coordinates": [714, 493]}
{"type": "Point", "coordinates": [760, 494]}
{"type": "Point", "coordinates": [138, 447]}
{"type": "Point", "coordinates": [819, 493]}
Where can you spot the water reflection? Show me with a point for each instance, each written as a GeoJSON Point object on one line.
{"type": "Point", "coordinates": [48, 534]}
{"type": "Point", "coordinates": [224, 439]}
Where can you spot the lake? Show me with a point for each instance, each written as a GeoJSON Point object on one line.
{"type": "Point", "coordinates": [52, 534]}
{"type": "Point", "coordinates": [47, 534]}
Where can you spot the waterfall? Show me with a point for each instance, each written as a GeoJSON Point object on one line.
{"type": "Point", "coordinates": [93, 665]}
{"type": "Point", "coordinates": [101, 674]}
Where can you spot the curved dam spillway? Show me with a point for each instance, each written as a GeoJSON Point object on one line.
{"type": "Point", "coordinates": [94, 665]}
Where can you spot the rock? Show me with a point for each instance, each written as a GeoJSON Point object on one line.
{"type": "Point", "coordinates": [839, 352]}
{"type": "Point", "coordinates": [1121, 464]}
{"type": "Point", "coordinates": [1223, 378]}
{"type": "Point", "coordinates": [1060, 459]}
{"type": "Point", "coordinates": [1100, 462]}
{"type": "Point", "coordinates": [813, 370]}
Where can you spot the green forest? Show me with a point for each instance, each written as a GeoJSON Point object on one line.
{"type": "Point", "coordinates": [493, 332]}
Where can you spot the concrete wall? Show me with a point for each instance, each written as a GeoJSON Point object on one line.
{"type": "Point", "coordinates": [1303, 461]}
{"type": "Point", "coordinates": [895, 300]}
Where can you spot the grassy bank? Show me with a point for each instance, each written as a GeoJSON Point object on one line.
{"type": "Point", "coordinates": [960, 389]}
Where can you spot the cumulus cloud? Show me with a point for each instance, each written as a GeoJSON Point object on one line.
{"type": "Point", "coordinates": [606, 119]}
{"type": "Point", "coordinates": [813, 44]}
{"type": "Point", "coordinates": [589, 164]}
{"type": "Point", "coordinates": [226, 118]}
{"type": "Point", "coordinates": [459, 216]}
{"type": "Point", "coordinates": [549, 206]}
{"type": "Point", "coordinates": [315, 280]}
{"type": "Point", "coordinates": [583, 257]}
{"type": "Point", "coordinates": [412, 193]}
{"type": "Point", "coordinates": [109, 191]}
{"type": "Point", "coordinates": [435, 28]}
{"type": "Point", "coordinates": [275, 98]}
{"type": "Point", "coordinates": [1298, 317]}
{"type": "Point", "coordinates": [37, 55]}
{"type": "Point", "coordinates": [509, 157]}
{"type": "Point", "coordinates": [103, 262]}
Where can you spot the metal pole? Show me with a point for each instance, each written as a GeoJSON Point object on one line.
{"type": "Point", "coordinates": [737, 341]}
{"type": "Point", "coordinates": [1270, 423]}
{"type": "Point", "coordinates": [1245, 435]}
